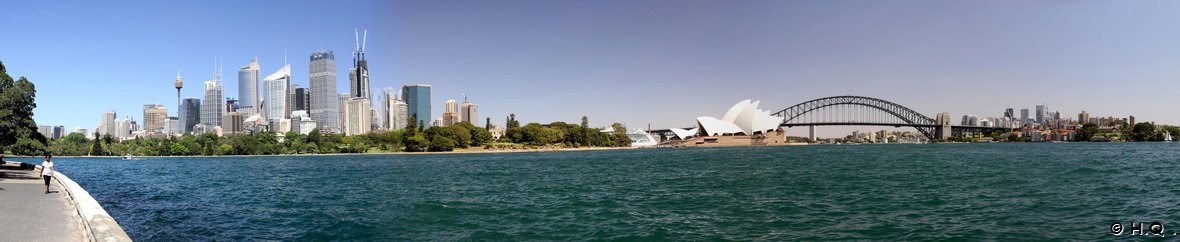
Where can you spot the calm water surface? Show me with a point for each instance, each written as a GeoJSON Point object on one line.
{"type": "Point", "coordinates": [875, 192]}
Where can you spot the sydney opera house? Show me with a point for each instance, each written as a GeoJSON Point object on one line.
{"type": "Point", "coordinates": [743, 124]}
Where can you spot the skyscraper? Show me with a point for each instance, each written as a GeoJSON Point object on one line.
{"type": "Point", "coordinates": [277, 94]}
{"type": "Point", "coordinates": [212, 109]}
{"type": "Point", "coordinates": [395, 111]}
{"type": "Point", "coordinates": [301, 98]}
{"type": "Point", "coordinates": [468, 113]}
{"type": "Point", "coordinates": [1083, 118]}
{"type": "Point", "coordinates": [1024, 116]}
{"type": "Point", "coordinates": [358, 75]}
{"type": "Point", "coordinates": [1040, 114]}
{"type": "Point", "coordinates": [190, 114]}
{"type": "Point", "coordinates": [1008, 113]}
{"type": "Point", "coordinates": [248, 85]}
{"type": "Point", "coordinates": [324, 101]}
{"type": "Point", "coordinates": [450, 115]}
{"type": "Point", "coordinates": [356, 116]}
{"type": "Point", "coordinates": [417, 96]}
{"type": "Point", "coordinates": [154, 116]}
{"type": "Point", "coordinates": [342, 102]}
{"type": "Point", "coordinates": [107, 126]}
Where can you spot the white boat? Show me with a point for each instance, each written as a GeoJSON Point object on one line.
{"type": "Point", "coordinates": [1167, 137]}
{"type": "Point", "coordinates": [128, 157]}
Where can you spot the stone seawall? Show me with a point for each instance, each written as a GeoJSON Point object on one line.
{"type": "Point", "coordinates": [100, 226]}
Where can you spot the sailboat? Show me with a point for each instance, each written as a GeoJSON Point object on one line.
{"type": "Point", "coordinates": [1167, 137]}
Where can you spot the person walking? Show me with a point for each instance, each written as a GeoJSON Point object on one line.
{"type": "Point", "coordinates": [47, 170]}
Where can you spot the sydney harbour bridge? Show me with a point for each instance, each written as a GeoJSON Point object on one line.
{"type": "Point", "coordinates": [869, 111]}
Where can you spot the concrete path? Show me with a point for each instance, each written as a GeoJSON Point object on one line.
{"type": "Point", "coordinates": [28, 214]}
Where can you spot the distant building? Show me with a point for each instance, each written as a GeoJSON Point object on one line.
{"type": "Point", "coordinates": [172, 126]}
{"type": "Point", "coordinates": [1024, 116]}
{"type": "Point", "coordinates": [301, 122]}
{"type": "Point", "coordinates": [190, 114]}
{"type": "Point", "coordinates": [468, 113]}
{"type": "Point", "coordinates": [45, 130]}
{"type": "Point", "coordinates": [342, 100]}
{"type": "Point", "coordinates": [108, 125]}
{"type": "Point", "coordinates": [1083, 118]}
{"type": "Point", "coordinates": [358, 75]}
{"type": "Point", "coordinates": [82, 131]}
{"type": "Point", "coordinates": [248, 85]}
{"type": "Point", "coordinates": [357, 116]}
{"type": "Point", "coordinates": [300, 98]}
{"type": "Point", "coordinates": [154, 116]}
{"type": "Point", "coordinates": [417, 96]}
{"type": "Point", "coordinates": [450, 115]}
{"type": "Point", "coordinates": [324, 101]}
{"type": "Point", "coordinates": [277, 93]}
{"type": "Point", "coordinates": [375, 119]}
{"type": "Point", "coordinates": [396, 111]}
{"type": "Point", "coordinates": [232, 124]}
{"type": "Point", "coordinates": [57, 132]}
{"type": "Point", "coordinates": [231, 105]}
{"type": "Point", "coordinates": [1040, 114]}
{"type": "Point", "coordinates": [1008, 113]}
{"type": "Point", "coordinates": [212, 109]}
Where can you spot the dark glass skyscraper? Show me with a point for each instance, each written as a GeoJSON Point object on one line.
{"type": "Point", "coordinates": [190, 113]}
{"type": "Point", "coordinates": [417, 96]}
{"type": "Point", "coordinates": [302, 98]}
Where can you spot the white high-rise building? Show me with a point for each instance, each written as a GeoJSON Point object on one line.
{"type": "Point", "coordinates": [277, 92]}
{"type": "Point", "coordinates": [325, 105]}
{"type": "Point", "coordinates": [213, 107]}
{"type": "Point", "coordinates": [301, 122]}
{"type": "Point", "coordinates": [107, 126]}
{"type": "Point", "coordinates": [450, 115]}
{"type": "Point", "coordinates": [396, 111]}
{"type": "Point", "coordinates": [356, 116]}
{"type": "Point", "coordinates": [248, 85]}
{"type": "Point", "coordinates": [342, 102]}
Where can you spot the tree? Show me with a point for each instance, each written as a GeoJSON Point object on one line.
{"type": "Point", "coordinates": [619, 135]}
{"type": "Point", "coordinates": [1143, 132]}
{"type": "Point", "coordinates": [441, 143]}
{"type": "Point", "coordinates": [17, 101]}
{"type": "Point", "coordinates": [1086, 132]}
{"type": "Point", "coordinates": [416, 142]}
{"type": "Point", "coordinates": [480, 137]}
{"type": "Point", "coordinates": [512, 123]}
{"type": "Point", "coordinates": [96, 149]}
{"type": "Point", "coordinates": [179, 149]}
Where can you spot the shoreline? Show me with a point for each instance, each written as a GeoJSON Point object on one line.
{"type": "Point", "coordinates": [456, 152]}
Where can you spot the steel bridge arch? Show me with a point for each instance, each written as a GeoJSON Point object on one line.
{"type": "Point", "coordinates": [924, 124]}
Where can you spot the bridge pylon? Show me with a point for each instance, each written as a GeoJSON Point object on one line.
{"type": "Point", "coordinates": [811, 133]}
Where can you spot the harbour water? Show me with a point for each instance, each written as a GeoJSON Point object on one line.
{"type": "Point", "coordinates": [1004, 191]}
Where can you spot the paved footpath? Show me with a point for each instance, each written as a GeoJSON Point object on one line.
{"type": "Point", "coordinates": [28, 214]}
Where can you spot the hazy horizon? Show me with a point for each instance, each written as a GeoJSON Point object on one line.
{"type": "Point", "coordinates": [661, 63]}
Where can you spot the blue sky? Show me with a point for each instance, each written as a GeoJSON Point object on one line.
{"type": "Point", "coordinates": [638, 62]}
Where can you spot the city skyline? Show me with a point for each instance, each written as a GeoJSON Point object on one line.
{"type": "Point", "coordinates": [966, 58]}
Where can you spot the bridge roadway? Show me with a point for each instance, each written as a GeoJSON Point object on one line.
{"type": "Point", "coordinates": [28, 214]}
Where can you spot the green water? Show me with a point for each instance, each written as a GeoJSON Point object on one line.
{"type": "Point", "coordinates": [1066, 191]}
